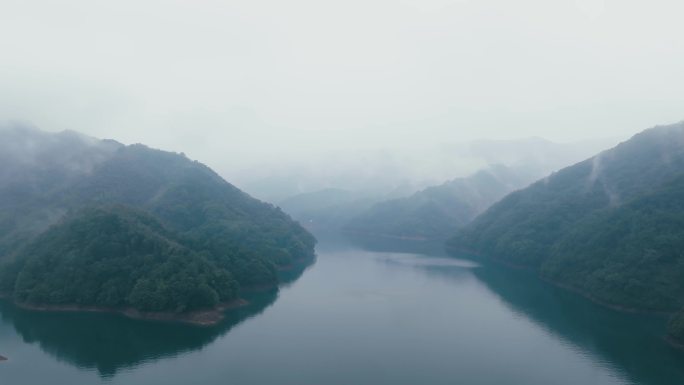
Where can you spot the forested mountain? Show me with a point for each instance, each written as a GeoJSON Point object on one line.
{"type": "Point", "coordinates": [97, 223]}
{"type": "Point", "coordinates": [436, 212]}
{"type": "Point", "coordinates": [611, 227]}
{"type": "Point", "coordinates": [333, 191]}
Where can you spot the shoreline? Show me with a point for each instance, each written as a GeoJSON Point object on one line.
{"type": "Point", "coordinates": [390, 236]}
{"type": "Point", "coordinates": [583, 294]}
{"type": "Point", "coordinates": [296, 263]}
{"type": "Point", "coordinates": [620, 308]}
{"type": "Point", "coordinates": [500, 261]}
{"type": "Point", "coordinates": [204, 318]}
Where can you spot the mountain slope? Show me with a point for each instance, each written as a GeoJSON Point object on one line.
{"type": "Point", "coordinates": [35, 166]}
{"type": "Point", "coordinates": [436, 212]}
{"type": "Point", "coordinates": [610, 227]}
{"type": "Point", "coordinates": [632, 255]}
{"type": "Point", "coordinates": [194, 208]}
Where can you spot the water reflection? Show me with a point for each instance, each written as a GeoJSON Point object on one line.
{"type": "Point", "coordinates": [109, 343]}
{"type": "Point", "coordinates": [384, 316]}
{"type": "Point", "coordinates": [632, 344]}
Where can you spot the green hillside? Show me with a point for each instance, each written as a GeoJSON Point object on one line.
{"type": "Point", "coordinates": [172, 220]}
{"type": "Point", "coordinates": [611, 227]}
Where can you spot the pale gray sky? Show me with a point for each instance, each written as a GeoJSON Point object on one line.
{"type": "Point", "coordinates": [232, 82]}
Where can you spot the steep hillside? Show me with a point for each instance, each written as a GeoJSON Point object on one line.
{"type": "Point", "coordinates": [611, 227]}
{"type": "Point", "coordinates": [631, 255]}
{"type": "Point", "coordinates": [523, 226]}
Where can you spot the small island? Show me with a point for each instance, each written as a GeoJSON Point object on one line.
{"type": "Point", "coordinates": [3, 358]}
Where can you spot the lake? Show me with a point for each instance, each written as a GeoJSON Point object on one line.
{"type": "Point", "coordinates": [365, 312]}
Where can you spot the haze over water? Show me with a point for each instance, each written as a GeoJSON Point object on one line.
{"type": "Point", "coordinates": [363, 313]}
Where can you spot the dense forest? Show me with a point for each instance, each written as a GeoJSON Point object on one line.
{"type": "Point", "coordinates": [611, 227]}
{"type": "Point", "coordinates": [97, 223]}
{"type": "Point", "coordinates": [436, 212]}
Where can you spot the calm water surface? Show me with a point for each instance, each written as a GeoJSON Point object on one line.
{"type": "Point", "coordinates": [363, 313]}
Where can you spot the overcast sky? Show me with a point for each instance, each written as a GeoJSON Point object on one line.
{"type": "Point", "coordinates": [230, 82]}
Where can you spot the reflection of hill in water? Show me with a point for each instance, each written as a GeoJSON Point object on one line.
{"type": "Point", "coordinates": [632, 343]}
{"type": "Point", "coordinates": [110, 342]}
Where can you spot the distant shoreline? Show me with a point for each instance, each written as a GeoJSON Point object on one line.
{"type": "Point", "coordinates": [390, 236]}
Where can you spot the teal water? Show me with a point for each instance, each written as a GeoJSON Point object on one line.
{"type": "Point", "coordinates": [363, 313]}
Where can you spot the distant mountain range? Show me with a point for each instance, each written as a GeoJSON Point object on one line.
{"type": "Point", "coordinates": [610, 227]}
{"type": "Point", "coordinates": [388, 173]}
{"type": "Point", "coordinates": [436, 212]}
{"type": "Point", "coordinates": [87, 222]}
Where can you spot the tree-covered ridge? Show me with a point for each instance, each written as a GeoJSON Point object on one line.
{"type": "Point", "coordinates": [436, 212]}
{"type": "Point", "coordinates": [189, 212]}
{"type": "Point", "coordinates": [611, 227]}
{"type": "Point", "coordinates": [117, 257]}
{"type": "Point", "coordinates": [193, 200]}
{"type": "Point", "coordinates": [523, 226]}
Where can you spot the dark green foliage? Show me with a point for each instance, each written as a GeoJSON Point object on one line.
{"type": "Point", "coordinates": [436, 212]}
{"type": "Point", "coordinates": [611, 227]}
{"type": "Point", "coordinates": [631, 255]}
{"type": "Point", "coordinates": [522, 227]}
{"type": "Point", "coordinates": [116, 256]}
{"type": "Point", "coordinates": [161, 232]}
{"type": "Point", "coordinates": [193, 200]}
